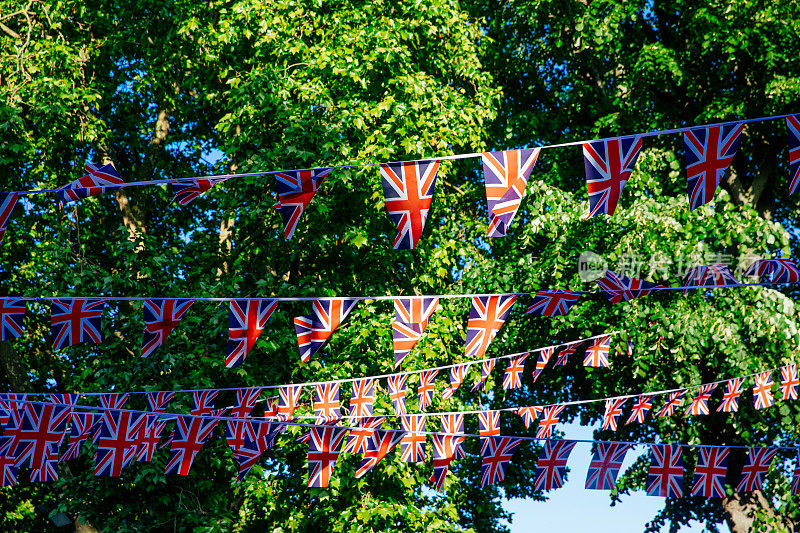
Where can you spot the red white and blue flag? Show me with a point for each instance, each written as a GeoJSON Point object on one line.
{"type": "Point", "coordinates": [789, 382]}
{"type": "Point", "coordinates": [412, 445]}
{"type": "Point", "coordinates": [296, 189]}
{"type": "Point", "coordinates": [426, 388]}
{"type": "Point", "coordinates": [362, 397]}
{"type": "Point", "coordinates": [486, 317]}
{"type": "Point", "coordinates": [506, 176]}
{"type": "Point", "coordinates": [90, 184]}
{"type": "Point", "coordinates": [191, 433]}
{"type": "Point", "coordinates": [408, 190]}
{"type": "Point", "coordinates": [709, 152]}
{"type": "Point", "coordinates": [488, 426]}
{"type": "Point", "coordinates": [410, 319]}
{"type": "Point", "coordinates": [486, 370]}
{"type": "Point", "coordinates": [8, 200]}
{"type": "Point", "coordinates": [529, 414]}
{"type": "Point", "coordinates": [618, 288]}
{"type": "Point", "coordinates": [327, 407]}
{"type": "Point", "coordinates": [187, 191]}
{"type": "Point", "coordinates": [612, 413]}
{"type": "Point", "coordinates": [323, 450]}
{"type": "Point", "coordinates": [160, 318]}
{"type": "Point", "coordinates": [457, 374]}
{"type": "Point", "coordinates": [793, 124]}
{"type": "Point", "coordinates": [453, 424]}
{"type": "Point", "coordinates": [796, 477]}
{"type": "Point", "coordinates": [544, 357]}
{"type": "Point", "coordinates": [778, 270]}
{"type": "Point", "coordinates": [563, 355]}
{"type": "Point", "coordinates": [12, 313]}
{"type": "Point", "coordinates": [287, 401]}
{"type": "Point", "coordinates": [552, 302]}
{"type": "Point", "coordinates": [548, 421]}
{"type": "Point", "coordinates": [709, 276]}
{"type": "Point", "coordinates": [605, 465]}
{"type": "Point", "coordinates": [41, 429]}
{"type": "Point", "coordinates": [153, 429]}
{"type": "Point", "coordinates": [384, 441]}
{"type": "Point", "coordinates": [665, 475]}
{"type": "Point", "coordinates": [552, 464]}
{"type": "Point", "coordinates": [609, 164]}
{"type": "Point", "coordinates": [397, 392]}
{"type": "Point", "coordinates": [246, 400]}
{"type": "Point", "coordinates": [754, 470]}
{"type": "Point", "coordinates": [512, 379]}
{"type": "Point", "coordinates": [114, 400]}
{"type": "Point", "coordinates": [157, 401]}
{"type": "Point", "coordinates": [314, 330]}
{"type": "Point", "coordinates": [203, 402]}
{"type": "Point", "coordinates": [673, 402]}
{"type": "Point", "coordinates": [640, 408]}
{"type": "Point", "coordinates": [444, 448]}
{"type": "Point", "coordinates": [74, 320]}
{"type": "Point", "coordinates": [597, 352]}
{"type": "Point", "coordinates": [730, 398]}
{"type": "Point", "coordinates": [361, 438]}
{"type": "Point", "coordinates": [496, 456]}
{"type": "Point", "coordinates": [82, 426]}
{"type": "Point", "coordinates": [699, 404]}
{"type": "Point", "coordinates": [257, 438]}
{"type": "Point", "coordinates": [8, 461]}
{"type": "Point", "coordinates": [118, 439]}
{"type": "Point", "coordinates": [762, 390]}
{"type": "Point", "coordinates": [246, 321]}
{"type": "Point", "coordinates": [710, 472]}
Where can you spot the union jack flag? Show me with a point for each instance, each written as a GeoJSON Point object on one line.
{"type": "Point", "coordinates": [8, 461]}
{"type": "Point", "coordinates": [271, 407]}
{"type": "Point", "coordinates": [313, 330]}
{"type": "Point", "coordinates": [793, 124]}
{"type": "Point", "coordinates": [789, 382]}
{"type": "Point", "coordinates": [796, 478]}
{"type": "Point", "coordinates": [191, 433]}
{"type": "Point", "coordinates": [552, 302]}
{"type": "Point", "coordinates": [444, 447]}
{"type": "Point", "coordinates": [488, 426]}
{"type": "Point", "coordinates": [456, 379]}
{"type": "Point", "coordinates": [256, 439]}
{"type": "Point", "coordinates": [486, 317]}
{"type": "Point", "coordinates": [618, 288]}
{"type": "Point", "coordinates": [160, 318]}
{"type": "Point", "coordinates": [154, 427]}
{"type": "Point", "coordinates": [397, 392]}
{"type": "Point", "coordinates": [64, 399]}
{"type": "Point", "coordinates": [75, 320]}
{"type": "Point", "coordinates": [597, 352]}
{"type": "Point", "coordinates": [412, 445]}
{"type": "Point", "coordinates": [384, 442]}
{"type": "Point", "coordinates": [606, 463]}
{"type": "Point", "coordinates": [775, 270]}
{"type": "Point", "coordinates": [609, 165]}
{"type": "Point", "coordinates": [410, 319]}
{"type": "Point", "coordinates": [246, 400]}
{"type": "Point", "coordinates": [326, 403]}
{"type": "Point", "coordinates": [506, 176]}
{"type": "Point", "coordinates": [82, 426]}
{"type": "Point", "coordinates": [665, 476]}
{"type": "Point", "coordinates": [709, 152]}
{"type": "Point", "coordinates": [563, 355]}
{"type": "Point", "coordinates": [90, 184]}
{"type": "Point", "coordinates": [426, 388]}
{"type": "Point", "coordinates": [762, 390]}
{"type": "Point", "coordinates": [118, 439]}
{"type": "Point", "coordinates": [709, 276]}
{"type": "Point", "coordinates": [512, 379]}
{"type": "Point", "coordinates": [549, 420]}
{"type": "Point", "coordinates": [730, 399]}
{"type": "Point", "coordinates": [203, 402]}
{"type": "Point", "coordinates": [486, 369]}
{"type": "Point", "coordinates": [323, 450]}
{"type": "Point", "coordinates": [496, 457]}
{"type": "Point", "coordinates": [552, 464]}
{"type": "Point", "coordinates": [245, 323]}
{"type": "Point", "coordinates": [408, 190]}
{"type": "Point", "coordinates": [699, 404]}
{"type": "Point", "coordinates": [758, 461]}
{"type": "Point", "coordinates": [361, 398]}
{"type": "Point", "coordinates": [612, 413]}
{"type": "Point", "coordinates": [529, 414]}
{"type": "Point", "coordinates": [296, 189]}
{"type": "Point", "coordinates": [187, 191]}
{"type": "Point", "coordinates": [287, 401]}
{"type": "Point", "coordinates": [10, 406]}
{"type": "Point", "coordinates": [544, 357]}
{"type": "Point", "coordinates": [114, 400]}
{"type": "Point", "coordinates": [673, 402]}
{"type": "Point", "coordinates": [38, 436]}
{"type": "Point", "coordinates": [8, 200]}
{"type": "Point", "coordinates": [710, 472]}
{"type": "Point", "coordinates": [157, 401]}
{"type": "Point", "coordinates": [360, 439]}
{"type": "Point", "coordinates": [453, 424]}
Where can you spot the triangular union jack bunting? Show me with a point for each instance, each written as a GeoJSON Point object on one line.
{"type": "Point", "coordinates": [327, 407]}
{"type": "Point", "coordinates": [426, 388]}
{"type": "Point", "coordinates": [8, 200]}
{"type": "Point", "coordinates": [246, 321]}
{"type": "Point", "coordinates": [618, 288]}
{"type": "Point", "coordinates": [73, 321]}
{"type": "Point", "coordinates": [314, 330]}
{"type": "Point", "coordinates": [12, 313]}
{"type": "Point", "coordinates": [8, 461]}
{"type": "Point", "coordinates": [90, 184]}
{"type": "Point", "coordinates": [775, 270]}
{"type": "Point", "coordinates": [699, 404]}
{"type": "Point", "coordinates": [552, 302]}
{"type": "Point", "coordinates": [187, 191]}
{"type": "Point", "coordinates": [609, 165]}
{"type": "Point", "coordinates": [153, 429]}
{"type": "Point", "coordinates": [549, 420]}
{"type": "Point", "coordinates": [486, 369]}
{"type": "Point", "coordinates": [789, 382]}
{"type": "Point", "coordinates": [362, 397]}
{"type": "Point", "coordinates": [710, 472]}
{"type": "Point", "coordinates": [191, 433]}
{"type": "Point", "coordinates": [665, 475]}
{"type": "Point", "coordinates": [754, 470]}
{"type": "Point", "coordinates": [552, 464]}
{"type": "Point", "coordinates": [410, 319]}
{"type": "Point", "coordinates": [488, 426]}
{"type": "Point", "coordinates": [453, 424]}
{"type": "Point", "coordinates": [762, 390]}
{"type": "Point", "coordinates": [597, 352]}
{"type": "Point", "coordinates": [203, 402]}
{"type": "Point", "coordinates": [408, 190]}
{"type": "Point", "coordinates": [709, 276]}
{"type": "Point", "coordinates": [41, 429]}
{"type": "Point", "coordinates": [257, 438]}
{"type": "Point", "coordinates": [795, 477]}
{"type": "Point", "coordinates": [246, 400]}
{"type": "Point", "coordinates": [496, 456]}
{"type": "Point", "coordinates": [529, 414]}
{"type": "Point", "coordinates": [506, 176]}
{"type": "Point", "coordinates": [287, 401]}
{"type": "Point", "coordinates": [730, 398]}
{"type": "Point", "coordinates": [457, 374]}
{"type": "Point", "coordinates": [118, 439]}
{"type": "Point", "coordinates": [486, 317]}
{"type": "Point", "coordinates": [160, 318]}
{"type": "Point", "coordinates": [709, 152]}
{"type": "Point", "coordinates": [323, 450]}
{"type": "Point", "coordinates": [157, 401]}
{"type": "Point", "coordinates": [563, 355]}
{"type": "Point", "coordinates": [544, 357]}
{"type": "Point", "coordinates": [82, 426]}
{"type": "Point", "coordinates": [612, 413]}
{"type": "Point", "coordinates": [512, 378]}
{"type": "Point", "coordinates": [606, 462]}
{"type": "Point", "coordinates": [115, 400]}
{"type": "Point", "coordinates": [673, 402]}
{"type": "Point", "coordinates": [412, 445]}
{"type": "Point", "coordinates": [361, 438]}
{"type": "Point", "coordinates": [397, 392]}
{"type": "Point", "coordinates": [444, 447]}
{"type": "Point", "coordinates": [383, 442]}
{"type": "Point", "coordinates": [793, 124]}
{"type": "Point", "coordinates": [296, 189]}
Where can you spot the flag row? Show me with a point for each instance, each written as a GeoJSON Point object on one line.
{"type": "Point", "coordinates": [409, 186]}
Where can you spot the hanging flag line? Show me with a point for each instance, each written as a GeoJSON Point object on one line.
{"type": "Point", "coordinates": [224, 177]}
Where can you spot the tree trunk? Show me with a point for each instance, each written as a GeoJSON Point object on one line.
{"type": "Point", "coordinates": [741, 508]}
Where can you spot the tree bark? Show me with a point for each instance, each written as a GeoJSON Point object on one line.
{"type": "Point", "coordinates": [740, 510]}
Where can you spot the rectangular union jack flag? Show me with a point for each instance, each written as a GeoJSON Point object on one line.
{"type": "Point", "coordinates": [716, 275]}
{"type": "Point", "coordinates": [597, 352]}
{"type": "Point", "coordinates": [699, 404]}
{"type": "Point", "coordinates": [90, 184]}
{"type": "Point", "coordinates": [486, 317]}
{"type": "Point", "coordinates": [412, 445]}
{"type": "Point", "coordinates": [549, 419]}
{"type": "Point", "coordinates": [529, 414]}
{"type": "Point", "coordinates": [552, 302]}
{"type": "Point", "coordinates": [384, 441]}
{"type": "Point", "coordinates": [323, 450]}
{"type": "Point", "coordinates": [314, 330]}
{"type": "Point", "coordinates": [326, 403]}
{"type": "Point", "coordinates": [544, 357]}
{"type": "Point", "coordinates": [410, 320]}
{"type": "Point", "coordinates": [665, 475]}
{"type": "Point", "coordinates": [709, 152]}
{"type": "Point", "coordinates": [618, 288]}
{"type": "Point", "coordinates": [563, 355]}
{"type": "Point", "coordinates": [74, 320]}
{"type": "Point", "coordinates": [444, 447]}
{"type": "Point", "coordinates": [488, 426]}
{"type": "Point", "coordinates": [191, 433]}
{"type": "Point", "coordinates": [8, 201]}
{"type": "Point", "coordinates": [397, 392]}
{"type": "Point", "coordinates": [730, 398]}
{"type": "Point", "coordinates": [486, 370]}
{"type": "Point", "coordinates": [203, 402]}
{"type": "Point", "coordinates": [789, 382]}
{"type": "Point", "coordinates": [41, 429]}
{"type": "Point", "coordinates": [777, 270]}
{"type": "Point", "coordinates": [793, 125]}
{"type": "Point", "coordinates": [246, 321]}
{"type": "Point", "coordinates": [187, 191]}
{"type": "Point", "coordinates": [408, 190]}
{"type": "Point", "coordinates": [612, 413]}
{"type": "Point", "coordinates": [296, 189]}
{"type": "Point", "coordinates": [361, 438]}
{"type": "Point", "coordinates": [710, 472]}
{"type": "Point", "coordinates": [287, 401]}
{"type": "Point", "coordinates": [246, 400]}
{"type": "Point", "coordinates": [673, 402]}
{"type": "Point", "coordinates": [12, 313]}
{"type": "Point", "coordinates": [160, 318]}
{"type": "Point", "coordinates": [362, 397]}
{"type": "Point", "coordinates": [754, 470]}
{"type": "Point", "coordinates": [506, 176]}
{"type": "Point", "coordinates": [762, 390]}
{"type": "Point", "coordinates": [496, 456]}
{"type": "Point", "coordinates": [512, 378]}
{"type": "Point", "coordinates": [82, 426]}
{"type": "Point", "coordinates": [457, 374]}
{"type": "Point", "coordinates": [609, 164]}
{"type": "Point", "coordinates": [552, 464]}
{"type": "Point", "coordinates": [118, 439]}
{"type": "Point", "coordinates": [605, 465]}
{"type": "Point", "coordinates": [453, 424]}
{"type": "Point", "coordinates": [426, 388]}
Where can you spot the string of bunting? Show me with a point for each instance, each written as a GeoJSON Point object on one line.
{"type": "Point", "coordinates": [408, 186]}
